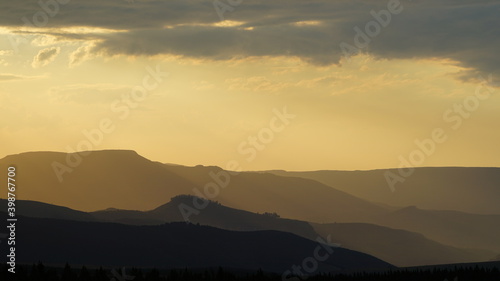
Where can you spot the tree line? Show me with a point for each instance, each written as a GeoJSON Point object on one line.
{"type": "Point", "coordinates": [39, 272]}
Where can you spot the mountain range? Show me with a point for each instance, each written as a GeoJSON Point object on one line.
{"type": "Point", "coordinates": [436, 216]}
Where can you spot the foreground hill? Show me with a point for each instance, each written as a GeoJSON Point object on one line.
{"type": "Point", "coordinates": [470, 190]}
{"type": "Point", "coordinates": [125, 180]}
{"type": "Point", "coordinates": [176, 245]}
{"type": "Point", "coordinates": [398, 247]}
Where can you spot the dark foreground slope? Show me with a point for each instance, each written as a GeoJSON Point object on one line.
{"type": "Point", "coordinates": [173, 245]}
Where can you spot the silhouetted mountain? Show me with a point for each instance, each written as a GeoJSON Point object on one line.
{"type": "Point", "coordinates": [128, 217]}
{"type": "Point", "coordinates": [174, 245]}
{"type": "Point", "coordinates": [125, 180]}
{"type": "Point", "coordinates": [220, 216]}
{"type": "Point", "coordinates": [448, 227]}
{"type": "Point", "coordinates": [43, 210]}
{"type": "Point", "coordinates": [214, 214]}
{"type": "Point", "coordinates": [470, 190]}
{"type": "Point", "coordinates": [398, 247]}
{"type": "Point", "coordinates": [102, 179]}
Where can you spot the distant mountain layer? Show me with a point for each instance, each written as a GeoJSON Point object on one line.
{"type": "Point", "coordinates": [125, 180]}
{"type": "Point", "coordinates": [398, 247]}
{"type": "Point", "coordinates": [448, 227]}
{"type": "Point", "coordinates": [470, 190]}
{"type": "Point", "coordinates": [175, 245]}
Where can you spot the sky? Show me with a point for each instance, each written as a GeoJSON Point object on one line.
{"type": "Point", "coordinates": [295, 85]}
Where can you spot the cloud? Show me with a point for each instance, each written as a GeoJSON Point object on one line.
{"type": "Point", "coordinates": [80, 55]}
{"type": "Point", "coordinates": [45, 56]}
{"type": "Point", "coordinates": [44, 41]}
{"type": "Point", "coordinates": [462, 31]}
{"type": "Point", "coordinates": [223, 43]}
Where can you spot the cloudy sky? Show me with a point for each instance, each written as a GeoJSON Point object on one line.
{"type": "Point", "coordinates": [298, 85]}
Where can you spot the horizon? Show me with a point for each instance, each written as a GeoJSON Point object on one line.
{"type": "Point", "coordinates": [242, 170]}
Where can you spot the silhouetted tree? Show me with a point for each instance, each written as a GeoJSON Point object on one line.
{"type": "Point", "coordinates": [84, 274]}
{"type": "Point", "coordinates": [67, 274]}
{"type": "Point", "coordinates": [37, 272]}
{"type": "Point", "coordinates": [100, 275]}
{"type": "Point", "coordinates": [273, 214]}
{"type": "Point", "coordinates": [137, 274]}
{"type": "Point", "coordinates": [153, 275]}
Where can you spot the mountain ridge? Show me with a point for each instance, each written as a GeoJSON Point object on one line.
{"type": "Point", "coordinates": [125, 180]}
{"type": "Point", "coordinates": [398, 247]}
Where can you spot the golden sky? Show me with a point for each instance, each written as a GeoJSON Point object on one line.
{"type": "Point", "coordinates": [233, 78]}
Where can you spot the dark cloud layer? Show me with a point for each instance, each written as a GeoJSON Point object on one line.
{"type": "Point", "coordinates": [462, 30]}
